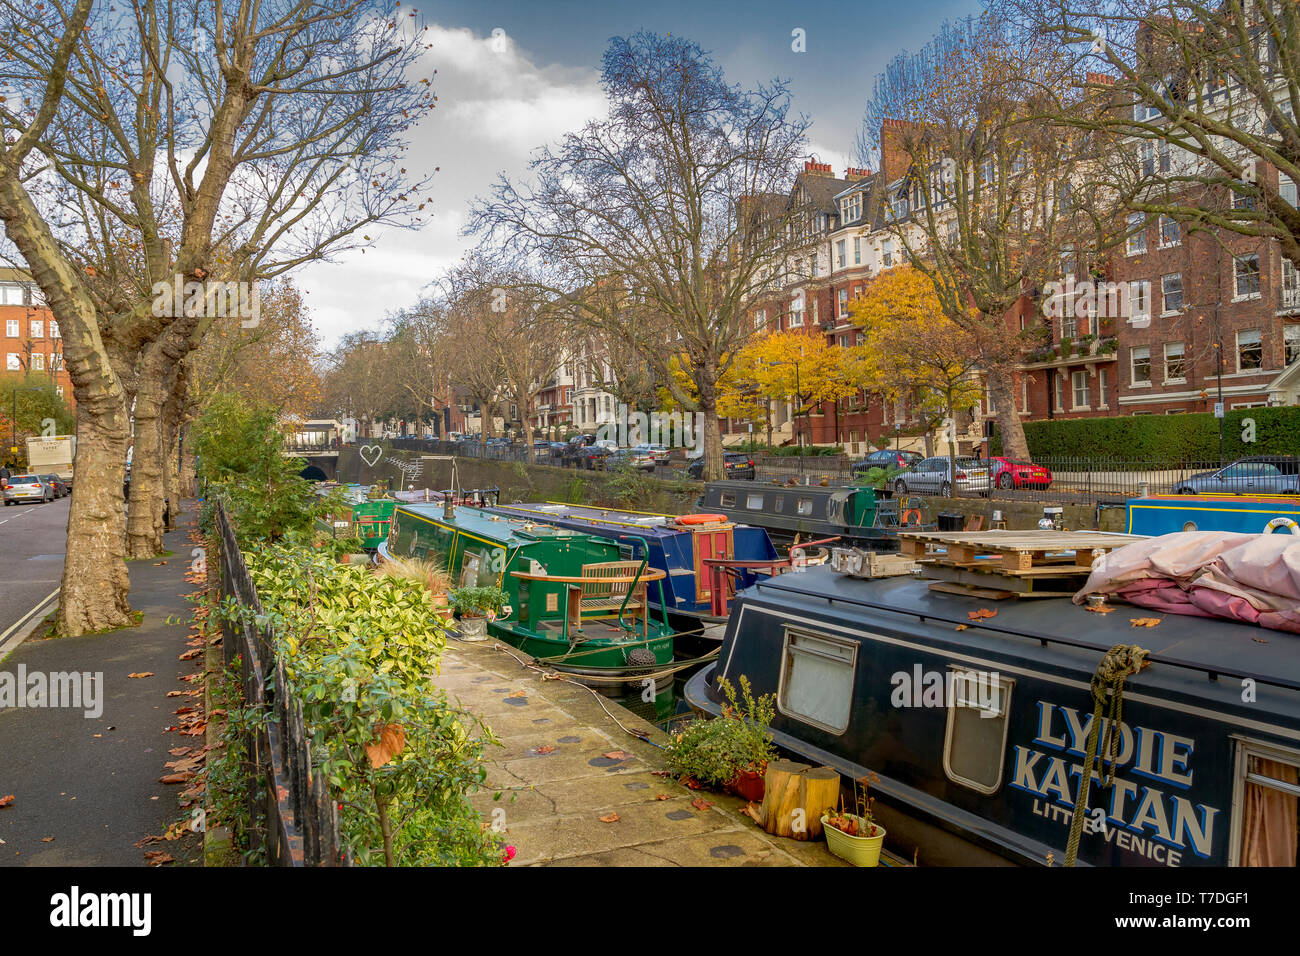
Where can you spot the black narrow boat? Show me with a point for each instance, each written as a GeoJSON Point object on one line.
{"type": "Point", "coordinates": [977, 728]}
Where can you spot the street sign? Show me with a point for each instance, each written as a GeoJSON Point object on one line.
{"type": "Point", "coordinates": [1218, 409]}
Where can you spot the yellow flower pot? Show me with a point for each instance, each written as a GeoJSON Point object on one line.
{"type": "Point", "coordinates": [858, 850]}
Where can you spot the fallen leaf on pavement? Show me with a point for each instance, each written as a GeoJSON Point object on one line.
{"type": "Point", "coordinates": [176, 777]}
{"type": "Point", "coordinates": [5, 801]}
{"type": "Point", "coordinates": [610, 818]}
{"type": "Point", "coordinates": [145, 674]}
{"type": "Point", "coordinates": [159, 564]}
{"type": "Point", "coordinates": [157, 857]}
{"type": "Point", "coordinates": [47, 839]}
{"type": "Point", "coordinates": [176, 693]}
{"type": "Point", "coordinates": [518, 693]}
{"type": "Point", "coordinates": [661, 796]}
{"type": "Point", "coordinates": [981, 613]}
{"type": "Point", "coordinates": [1144, 621]}
{"type": "Point", "coordinates": [699, 803]}
{"type": "Point", "coordinates": [547, 749]}
{"type": "Point", "coordinates": [1100, 608]}
{"type": "Point", "coordinates": [960, 627]}
{"type": "Point", "coordinates": [190, 655]}
{"type": "Point", "coordinates": [618, 755]}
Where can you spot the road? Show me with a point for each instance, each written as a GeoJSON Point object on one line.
{"type": "Point", "coordinates": [32, 540]}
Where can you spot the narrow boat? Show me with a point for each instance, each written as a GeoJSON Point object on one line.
{"type": "Point", "coordinates": [704, 557]}
{"type": "Point", "coordinates": [972, 726]}
{"type": "Point", "coordinates": [362, 517]}
{"type": "Point", "coordinates": [849, 512]}
{"type": "Point", "coordinates": [1247, 514]}
{"type": "Point", "coordinates": [577, 602]}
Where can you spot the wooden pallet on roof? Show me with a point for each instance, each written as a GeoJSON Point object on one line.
{"type": "Point", "coordinates": [1013, 552]}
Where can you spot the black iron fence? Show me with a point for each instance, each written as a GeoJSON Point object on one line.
{"type": "Point", "coordinates": [283, 788]}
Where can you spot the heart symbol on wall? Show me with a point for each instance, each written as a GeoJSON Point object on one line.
{"type": "Point", "coordinates": [371, 453]}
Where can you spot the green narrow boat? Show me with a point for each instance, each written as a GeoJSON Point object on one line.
{"type": "Point", "coordinates": [363, 517]}
{"type": "Point", "coordinates": [576, 601]}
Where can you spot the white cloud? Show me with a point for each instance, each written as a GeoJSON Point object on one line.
{"type": "Point", "coordinates": [495, 106]}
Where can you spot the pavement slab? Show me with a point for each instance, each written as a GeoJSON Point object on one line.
{"type": "Point", "coordinates": [551, 779]}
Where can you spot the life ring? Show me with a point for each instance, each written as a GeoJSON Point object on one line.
{"type": "Point", "coordinates": [1282, 522]}
{"type": "Point", "coordinates": [701, 519]}
{"type": "Point", "coordinates": [909, 514]}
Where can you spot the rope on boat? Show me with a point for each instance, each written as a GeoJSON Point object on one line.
{"type": "Point", "coordinates": [1120, 662]}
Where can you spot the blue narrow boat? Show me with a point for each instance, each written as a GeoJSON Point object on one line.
{"type": "Point", "coordinates": [1244, 514]}
{"type": "Point", "coordinates": [683, 547]}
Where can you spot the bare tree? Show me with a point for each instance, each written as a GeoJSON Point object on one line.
{"type": "Point", "coordinates": [659, 201]}
{"type": "Point", "coordinates": [1205, 98]}
{"type": "Point", "coordinates": [184, 142]}
{"type": "Point", "coordinates": [979, 187]}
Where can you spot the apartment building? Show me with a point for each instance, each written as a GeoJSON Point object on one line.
{"type": "Point", "coordinates": [31, 339]}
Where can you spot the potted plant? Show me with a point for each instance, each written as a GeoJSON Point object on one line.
{"type": "Point", "coordinates": [349, 550]}
{"type": "Point", "coordinates": [427, 572]}
{"type": "Point", "coordinates": [730, 752]}
{"type": "Point", "coordinates": [476, 606]}
{"type": "Point", "coordinates": [855, 837]}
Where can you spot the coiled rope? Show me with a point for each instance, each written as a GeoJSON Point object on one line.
{"type": "Point", "coordinates": [1120, 662]}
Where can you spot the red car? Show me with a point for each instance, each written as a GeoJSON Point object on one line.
{"type": "Point", "coordinates": [1014, 473]}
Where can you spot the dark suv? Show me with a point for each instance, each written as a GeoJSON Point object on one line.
{"type": "Point", "coordinates": [886, 458]}
{"type": "Point", "coordinates": [735, 465]}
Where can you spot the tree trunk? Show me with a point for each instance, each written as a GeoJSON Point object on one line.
{"type": "Point", "coordinates": [144, 517]}
{"type": "Point", "coordinates": [1011, 428]}
{"type": "Point", "coordinates": [95, 589]}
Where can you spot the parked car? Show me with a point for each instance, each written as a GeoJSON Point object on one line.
{"type": "Point", "coordinates": [735, 465]}
{"type": "Point", "coordinates": [1258, 475]}
{"type": "Point", "coordinates": [941, 475]}
{"type": "Point", "coordinates": [572, 454]}
{"type": "Point", "coordinates": [19, 488]}
{"type": "Point", "coordinates": [61, 489]}
{"type": "Point", "coordinates": [885, 459]}
{"type": "Point", "coordinates": [1018, 473]}
{"type": "Point", "coordinates": [646, 456]}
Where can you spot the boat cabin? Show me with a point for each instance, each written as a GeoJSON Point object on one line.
{"type": "Point", "coordinates": [809, 511]}
{"type": "Point", "coordinates": [1245, 514]}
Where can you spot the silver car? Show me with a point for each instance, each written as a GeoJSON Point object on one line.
{"type": "Point", "coordinates": [20, 488]}
{"type": "Point", "coordinates": [940, 475]}
{"type": "Point", "coordinates": [1274, 475]}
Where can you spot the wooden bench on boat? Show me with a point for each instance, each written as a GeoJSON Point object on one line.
{"type": "Point", "coordinates": [610, 586]}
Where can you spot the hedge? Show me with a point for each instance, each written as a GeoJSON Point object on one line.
{"type": "Point", "coordinates": [1167, 439]}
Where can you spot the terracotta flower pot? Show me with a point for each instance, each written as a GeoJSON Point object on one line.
{"type": "Point", "coordinates": [748, 784]}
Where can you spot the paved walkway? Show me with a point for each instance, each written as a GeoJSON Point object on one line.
{"type": "Point", "coordinates": [561, 794]}
{"type": "Point", "coordinates": [86, 788]}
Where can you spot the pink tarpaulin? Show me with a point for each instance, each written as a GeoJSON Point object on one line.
{"type": "Point", "coordinates": [1244, 577]}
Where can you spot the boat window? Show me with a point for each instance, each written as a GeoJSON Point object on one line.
{"type": "Point", "coordinates": [778, 502]}
{"type": "Point", "coordinates": [432, 541]}
{"type": "Point", "coordinates": [1270, 809]}
{"type": "Point", "coordinates": [481, 566]}
{"type": "Point", "coordinates": [754, 502]}
{"type": "Point", "coordinates": [728, 500]}
{"type": "Point", "coordinates": [817, 679]}
{"type": "Point", "coordinates": [975, 744]}
{"type": "Point", "coordinates": [805, 506]}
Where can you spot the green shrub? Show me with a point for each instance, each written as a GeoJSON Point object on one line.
{"type": "Point", "coordinates": [1164, 439]}
{"type": "Point", "coordinates": [713, 752]}
{"type": "Point", "coordinates": [359, 650]}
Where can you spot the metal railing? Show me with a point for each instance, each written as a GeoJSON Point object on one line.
{"type": "Point", "coordinates": [282, 784]}
{"type": "Point", "coordinates": [1091, 481]}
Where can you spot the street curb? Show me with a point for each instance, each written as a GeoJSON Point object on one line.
{"type": "Point", "coordinates": [34, 618]}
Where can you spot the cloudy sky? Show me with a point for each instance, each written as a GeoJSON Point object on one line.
{"type": "Point", "coordinates": [513, 74]}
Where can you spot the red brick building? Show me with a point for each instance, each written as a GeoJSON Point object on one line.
{"type": "Point", "coordinates": [29, 336]}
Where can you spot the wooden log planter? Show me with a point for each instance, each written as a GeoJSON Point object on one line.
{"type": "Point", "coordinates": [795, 797]}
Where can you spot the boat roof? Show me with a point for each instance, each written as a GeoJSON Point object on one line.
{"type": "Point", "coordinates": [1239, 502]}
{"type": "Point", "coordinates": [601, 520]}
{"type": "Point", "coordinates": [484, 524]}
{"type": "Point", "coordinates": [1212, 645]}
